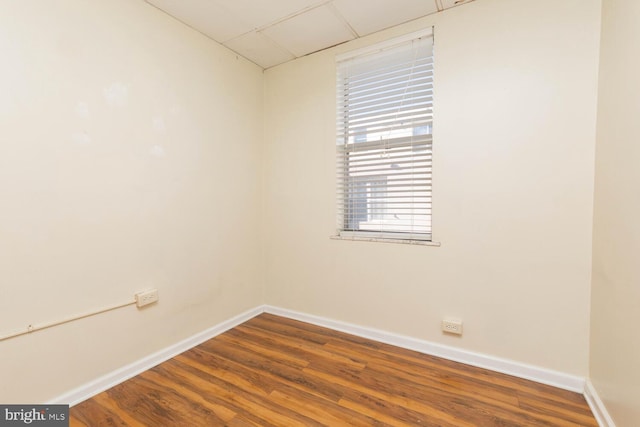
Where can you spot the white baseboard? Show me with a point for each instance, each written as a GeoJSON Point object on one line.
{"type": "Point", "coordinates": [510, 367]}
{"type": "Point", "coordinates": [116, 377]}
{"type": "Point", "coordinates": [597, 406]}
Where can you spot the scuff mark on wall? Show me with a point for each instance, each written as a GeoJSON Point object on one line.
{"type": "Point", "coordinates": [81, 138]}
{"type": "Point", "coordinates": [159, 125]}
{"type": "Point", "coordinates": [158, 151]}
{"type": "Point", "coordinates": [116, 94]}
{"type": "Point", "coordinates": [82, 110]}
{"type": "Point", "coordinates": [176, 109]}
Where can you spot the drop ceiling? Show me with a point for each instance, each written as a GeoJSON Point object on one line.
{"type": "Point", "coordinates": [270, 32]}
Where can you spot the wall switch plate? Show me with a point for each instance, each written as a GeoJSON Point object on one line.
{"type": "Point", "coordinates": [146, 297]}
{"type": "Point", "coordinates": [452, 326]}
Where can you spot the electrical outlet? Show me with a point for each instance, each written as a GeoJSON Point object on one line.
{"type": "Point", "coordinates": [146, 297]}
{"type": "Point", "coordinates": [452, 326]}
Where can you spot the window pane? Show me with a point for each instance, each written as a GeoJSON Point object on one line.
{"type": "Point", "coordinates": [385, 123]}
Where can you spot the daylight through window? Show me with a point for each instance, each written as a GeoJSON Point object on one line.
{"type": "Point", "coordinates": [384, 141]}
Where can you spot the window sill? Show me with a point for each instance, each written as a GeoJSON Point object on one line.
{"type": "Point", "coordinates": [381, 240]}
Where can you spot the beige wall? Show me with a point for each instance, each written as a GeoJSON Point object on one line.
{"type": "Point", "coordinates": [615, 344]}
{"type": "Point", "coordinates": [129, 158]}
{"type": "Point", "coordinates": [515, 100]}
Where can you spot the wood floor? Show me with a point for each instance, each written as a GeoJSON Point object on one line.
{"type": "Point", "coordinates": [273, 371]}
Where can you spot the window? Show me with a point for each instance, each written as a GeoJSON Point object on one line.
{"type": "Point", "coordinates": [384, 140]}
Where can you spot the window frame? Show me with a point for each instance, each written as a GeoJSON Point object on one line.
{"type": "Point", "coordinates": [344, 214]}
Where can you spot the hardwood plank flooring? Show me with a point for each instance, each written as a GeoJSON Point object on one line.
{"type": "Point", "coordinates": [273, 371]}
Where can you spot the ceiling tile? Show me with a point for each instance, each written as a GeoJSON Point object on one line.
{"type": "Point", "coordinates": [259, 49]}
{"type": "Point", "coordinates": [310, 31]}
{"type": "Point", "coordinates": [206, 16]}
{"type": "Point", "coordinates": [378, 15]}
{"type": "Point", "coordinates": [262, 12]}
{"type": "Point", "coordinates": [269, 32]}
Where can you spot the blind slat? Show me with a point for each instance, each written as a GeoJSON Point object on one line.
{"type": "Point", "coordinates": [381, 86]}
{"type": "Point", "coordinates": [384, 142]}
{"type": "Point", "coordinates": [421, 94]}
{"type": "Point", "coordinates": [396, 145]}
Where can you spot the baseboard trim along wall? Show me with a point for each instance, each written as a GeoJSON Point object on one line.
{"type": "Point", "coordinates": [510, 367]}
{"type": "Point", "coordinates": [118, 376]}
{"type": "Point", "coordinates": [597, 406]}
{"type": "Point", "coordinates": [533, 373]}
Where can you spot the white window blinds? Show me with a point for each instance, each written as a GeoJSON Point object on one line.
{"type": "Point", "coordinates": [384, 141]}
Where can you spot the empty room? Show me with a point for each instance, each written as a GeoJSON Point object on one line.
{"type": "Point", "coordinates": [319, 212]}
